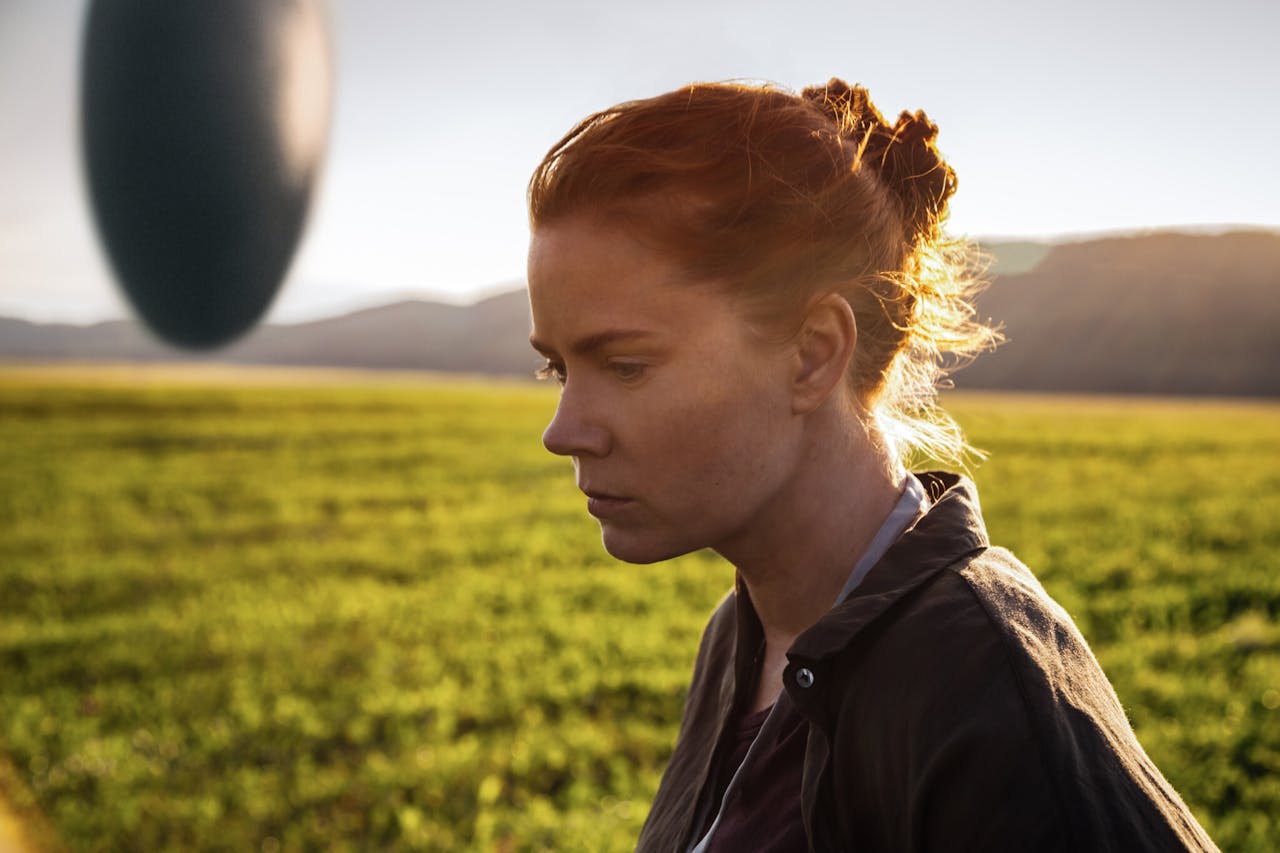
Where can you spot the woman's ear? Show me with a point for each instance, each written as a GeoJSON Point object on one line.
{"type": "Point", "coordinates": [824, 348]}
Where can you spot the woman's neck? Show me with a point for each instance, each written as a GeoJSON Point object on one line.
{"type": "Point", "coordinates": [797, 555]}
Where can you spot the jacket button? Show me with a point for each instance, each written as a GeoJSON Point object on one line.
{"type": "Point", "coordinates": [804, 677]}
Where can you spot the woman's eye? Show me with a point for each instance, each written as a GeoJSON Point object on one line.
{"type": "Point", "coordinates": [551, 370]}
{"type": "Point", "coordinates": [627, 371]}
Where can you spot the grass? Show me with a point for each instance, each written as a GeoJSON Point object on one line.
{"type": "Point", "coordinates": [284, 611]}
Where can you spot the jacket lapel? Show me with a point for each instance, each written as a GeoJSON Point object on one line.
{"type": "Point", "coordinates": [951, 530]}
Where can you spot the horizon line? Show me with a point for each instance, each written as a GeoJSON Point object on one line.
{"type": "Point", "coordinates": [356, 303]}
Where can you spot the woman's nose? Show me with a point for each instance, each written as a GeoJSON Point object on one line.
{"type": "Point", "coordinates": [574, 430]}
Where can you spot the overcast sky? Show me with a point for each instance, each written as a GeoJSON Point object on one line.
{"type": "Point", "coordinates": [1060, 118]}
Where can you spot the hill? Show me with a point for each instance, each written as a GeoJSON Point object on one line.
{"type": "Point", "coordinates": [490, 336]}
{"type": "Point", "coordinates": [1159, 313]}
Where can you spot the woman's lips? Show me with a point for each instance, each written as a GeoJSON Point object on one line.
{"type": "Point", "coordinates": [601, 505]}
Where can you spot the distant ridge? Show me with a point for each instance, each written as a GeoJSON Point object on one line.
{"type": "Point", "coordinates": [1162, 313]}
{"type": "Point", "coordinates": [490, 336]}
{"type": "Point", "coordinates": [1157, 313]}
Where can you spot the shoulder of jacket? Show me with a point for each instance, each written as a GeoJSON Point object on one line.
{"type": "Point", "coordinates": [1014, 599]}
{"type": "Point", "coordinates": [986, 612]}
{"type": "Point", "coordinates": [724, 618]}
{"type": "Point", "coordinates": [995, 598]}
{"type": "Point", "coordinates": [721, 630]}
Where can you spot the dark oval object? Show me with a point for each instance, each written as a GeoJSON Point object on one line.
{"type": "Point", "coordinates": [204, 124]}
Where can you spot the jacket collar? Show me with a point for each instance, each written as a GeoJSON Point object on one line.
{"type": "Point", "coordinates": [950, 530]}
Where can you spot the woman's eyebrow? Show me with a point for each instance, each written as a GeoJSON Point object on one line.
{"type": "Point", "coordinates": [593, 342]}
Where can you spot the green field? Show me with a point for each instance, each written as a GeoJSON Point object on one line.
{"type": "Point", "coordinates": [252, 614]}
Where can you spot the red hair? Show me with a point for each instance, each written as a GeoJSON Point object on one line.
{"type": "Point", "coordinates": [778, 196]}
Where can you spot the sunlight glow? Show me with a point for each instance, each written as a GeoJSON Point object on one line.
{"type": "Point", "coordinates": [304, 93]}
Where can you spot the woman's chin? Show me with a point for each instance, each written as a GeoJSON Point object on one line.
{"type": "Point", "coordinates": [629, 547]}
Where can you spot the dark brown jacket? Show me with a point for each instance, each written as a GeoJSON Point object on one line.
{"type": "Point", "coordinates": [952, 705]}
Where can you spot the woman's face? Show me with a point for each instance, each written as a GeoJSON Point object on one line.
{"type": "Point", "coordinates": [677, 418]}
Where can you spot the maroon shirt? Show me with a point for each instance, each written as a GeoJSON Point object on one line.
{"type": "Point", "coordinates": [765, 816]}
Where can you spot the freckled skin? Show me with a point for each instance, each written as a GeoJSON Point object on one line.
{"type": "Point", "coordinates": [693, 422]}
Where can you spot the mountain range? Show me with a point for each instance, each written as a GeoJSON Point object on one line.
{"type": "Point", "coordinates": [1157, 313]}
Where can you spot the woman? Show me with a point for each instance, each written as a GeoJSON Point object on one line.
{"type": "Point", "coordinates": [747, 298]}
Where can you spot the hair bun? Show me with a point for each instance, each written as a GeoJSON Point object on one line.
{"type": "Point", "coordinates": [905, 154]}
